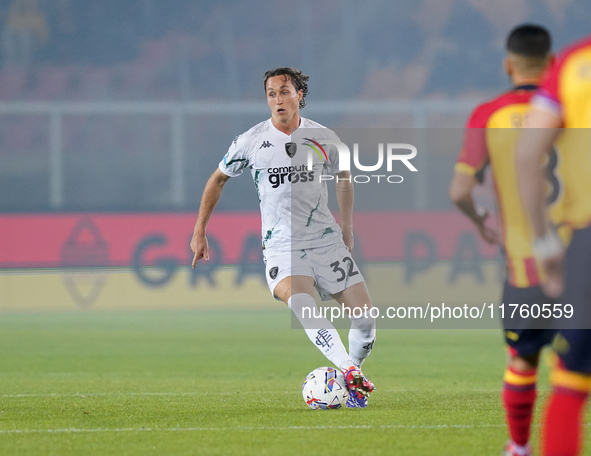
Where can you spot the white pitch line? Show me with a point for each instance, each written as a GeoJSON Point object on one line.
{"type": "Point", "coordinates": [251, 428]}
{"type": "Point", "coordinates": [190, 393]}
{"type": "Point", "coordinates": [201, 393]}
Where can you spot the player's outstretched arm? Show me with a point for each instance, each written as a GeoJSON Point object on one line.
{"type": "Point", "coordinates": [345, 197]}
{"type": "Point", "coordinates": [460, 192]}
{"type": "Point", "coordinates": [211, 196]}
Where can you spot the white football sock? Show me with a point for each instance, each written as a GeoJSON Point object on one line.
{"type": "Point", "coordinates": [362, 336]}
{"type": "Point", "coordinates": [522, 450]}
{"type": "Point", "coordinates": [320, 331]}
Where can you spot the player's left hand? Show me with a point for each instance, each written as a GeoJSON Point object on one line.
{"type": "Point", "coordinates": [348, 238]}
{"type": "Point", "coordinates": [553, 266]}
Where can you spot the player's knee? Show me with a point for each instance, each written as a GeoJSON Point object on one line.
{"type": "Point", "coordinates": [299, 300]}
{"type": "Point", "coordinates": [524, 363]}
{"type": "Point", "coordinates": [365, 322]}
{"type": "Point", "coordinates": [283, 290]}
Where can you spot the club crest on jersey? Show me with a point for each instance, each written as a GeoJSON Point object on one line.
{"type": "Point", "coordinates": [290, 149]}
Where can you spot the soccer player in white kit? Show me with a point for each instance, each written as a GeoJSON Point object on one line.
{"type": "Point", "coordinates": [303, 245]}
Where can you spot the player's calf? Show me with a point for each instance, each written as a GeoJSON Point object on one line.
{"type": "Point", "coordinates": [362, 337]}
{"type": "Point", "coordinates": [320, 331]}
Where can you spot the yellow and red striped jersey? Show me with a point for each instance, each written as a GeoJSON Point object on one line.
{"type": "Point", "coordinates": [566, 91]}
{"type": "Point", "coordinates": [491, 138]}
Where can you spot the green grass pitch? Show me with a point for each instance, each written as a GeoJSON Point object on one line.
{"type": "Point", "coordinates": [229, 383]}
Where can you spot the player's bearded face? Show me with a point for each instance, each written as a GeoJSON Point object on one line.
{"type": "Point", "coordinates": [283, 98]}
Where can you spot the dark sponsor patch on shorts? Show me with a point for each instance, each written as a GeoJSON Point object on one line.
{"type": "Point", "coordinates": [273, 272]}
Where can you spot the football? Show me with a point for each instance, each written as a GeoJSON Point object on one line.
{"type": "Point", "coordinates": [325, 388]}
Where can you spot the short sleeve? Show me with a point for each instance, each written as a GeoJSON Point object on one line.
{"type": "Point", "coordinates": [473, 156]}
{"type": "Point", "coordinates": [547, 97]}
{"type": "Point", "coordinates": [332, 152]}
{"type": "Point", "coordinates": [236, 159]}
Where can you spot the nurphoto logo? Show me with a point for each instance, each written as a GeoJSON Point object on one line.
{"type": "Point", "coordinates": [392, 155]}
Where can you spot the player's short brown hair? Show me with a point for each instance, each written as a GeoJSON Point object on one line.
{"type": "Point", "coordinates": [299, 80]}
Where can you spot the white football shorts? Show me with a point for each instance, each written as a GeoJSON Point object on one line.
{"type": "Point", "coordinates": [332, 268]}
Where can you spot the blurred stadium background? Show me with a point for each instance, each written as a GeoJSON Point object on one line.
{"type": "Point", "coordinates": [113, 114]}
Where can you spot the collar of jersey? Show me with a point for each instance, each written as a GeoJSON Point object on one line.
{"type": "Point", "coordinates": [279, 132]}
{"type": "Point", "coordinates": [526, 87]}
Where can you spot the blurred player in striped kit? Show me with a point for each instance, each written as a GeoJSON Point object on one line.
{"type": "Point", "coordinates": [561, 109]}
{"type": "Point", "coordinates": [490, 139]}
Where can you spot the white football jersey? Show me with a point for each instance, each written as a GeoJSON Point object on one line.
{"type": "Point", "coordinates": [292, 197]}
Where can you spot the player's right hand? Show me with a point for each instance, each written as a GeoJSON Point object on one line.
{"type": "Point", "coordinates": [553, 286]}
{"type": "Point", "coordinates": [490, 235]}
{"type": "Point", "coordinates": [200, 248]}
